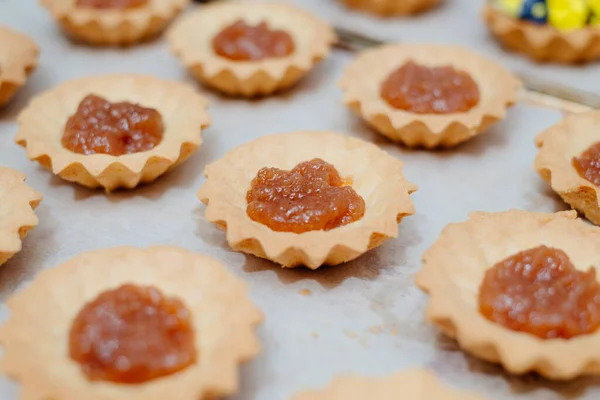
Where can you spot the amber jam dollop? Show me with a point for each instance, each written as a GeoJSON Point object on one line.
{"type": "Point", "coordinates": [132, 334]}
{"type": "Point", "coordinates": [242, 42]}
{"type": "Point", "coordinates": [108, 4]}
{"type": "Point", "coordinates": [588, 164]}
{"type": "Point", "coordinates": [312, 196]}
{"type": "Point", "coordinates": [102, 127]}
{"type": "Point", "coordinates": [540, 292]}
{"type": "Point", "coordinates": [423, 90]}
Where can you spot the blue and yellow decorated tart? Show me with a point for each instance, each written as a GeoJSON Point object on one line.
{"type": "Point", "coordinates": [566, 31]}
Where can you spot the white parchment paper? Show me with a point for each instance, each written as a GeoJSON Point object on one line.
{"type": "Point", "coordinates": [366, 316]}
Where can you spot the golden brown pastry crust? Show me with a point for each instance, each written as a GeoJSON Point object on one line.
{"type": "Point", "coordinates": [41, 127]}
{"type": "Point", "coordinates": [17, 202]}
{"type": "Point", "coordinates": [191, 40]}
{"type": "Point", "coordinates": [114, 27]}
{"type": "Point", "coordinates": [36, 335]}
{"type": "Point", "coordinates": [18, 59]}
{"type": "Point", "coordinates": [417, 384]}
{"type": "Point", "coordinates": [541, 42]}
{"type": "Point", "coordinates": [362, 80]}
{"type": "Point", "coordinates": [392, 7]}
{"type": "Point", "coordinates": [454, 267]}
{"type": "Point", "coordinates": [558, 146]}
{"type": "Point", "coordinates": [376, 176]}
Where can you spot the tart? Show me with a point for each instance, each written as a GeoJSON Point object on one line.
{"type": "Point", "coordinates": [520, 289]}
{"type": "Point", "coordinates": [18, 59]}
{"type": "Point", "coordinates": [427, 95]}
{"type": "Point", "coordinates": [250, 49]}
{"type": "Point", "coordinates": [307, 198]}
{"type": "Point", "coordinates": [568, 160]}
{"type": "Point", "coordinates": [17, 202]}
{"type": "Point", "coordinates": [114, 22]}
{"type": "Point", "coordinates": [113, 131]}
{"type": "Point", "coordinates": [126, 323]}
{"type": "Point", "coordinates": [392, 7]}
{"type": "Point", "coordinates": [543, 42]}
{"type": "Point", "coordinates": [417, 384]}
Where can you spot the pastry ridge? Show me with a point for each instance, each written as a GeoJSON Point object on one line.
{"type": "Point", "coordinates": [251, 78]}
{"type": "Point", "coordinates": [225, 188]}
{"type": "Point", "coordinates": [21, 201]}
{"type": "Point", "coordinates": [362, 79]}
{"type": "Point", "coordinates": [543, 43]}
{"type": "Point", "coordinates": [41, 127]}
{"type": "Point", "coordinates": [224, 317]}
{"type": "Point", "coordinates": [465, 250]}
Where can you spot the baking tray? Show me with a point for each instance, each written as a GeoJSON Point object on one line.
{"type": "Point", "coordinates": [365, 316]}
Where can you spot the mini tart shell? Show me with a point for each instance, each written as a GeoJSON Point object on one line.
{"type": "Point", "coordinates": [17, 202]}
{"type": "Point", "coordinates": [114, 27]}
{"type": "Point", "coordinates": [37, 333]}
{"type": "Point", "coordinates": [376, 176]}
{"type": "Point", "coordinates": [558, 146]}
{"type": "Point", "coordinates": [418, 384]}
{"type": "Point", "coordinates": [363, 78]}
{"type": "Point", "coordinates": [454, 267]}
{"type": "Point", "coordinates": [542, 42]}
{"type": "Point", "coordinates": [18, 59]}
{"type": "Point", "coordinates": [392, 7]}
{"type": "Point", "coordinates": [42, 124]}
{"type": "Point", "coordinates": [191, 40]}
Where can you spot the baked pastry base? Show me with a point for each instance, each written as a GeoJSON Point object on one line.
{"type": "Point", "coordinates": [376, 176]}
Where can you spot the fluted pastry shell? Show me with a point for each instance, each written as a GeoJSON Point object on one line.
{"type": "Point", "coordinates": [543, 42]}
{"type": "Point", "coordinates": [376, 176]}
{"type": "Point", "coordinates": [17, 202]}
{"type": "Point", "coordinates": [18, 59]}
{"type": "Point", "coordinates": [191, 40]}
{"type": "Point", "coordinates": [392, 7]}
{"type": "Point", "coordinates": [36, 336]}
{"type": "Point", "coordinates": [416, 384]}
{"type": "Point", "coordinates": [455, 265]}
{"type": "Point", "coordinates": [42, 124]}
{"type": "Point", "coordinates": [558, 146]}
{"type": "Point", "coordinates": [363, 78]}
{"type": "Point", "coordinates": [114, 26]}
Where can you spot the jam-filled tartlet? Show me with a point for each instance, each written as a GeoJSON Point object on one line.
{"type": "Point", "coordinates": [114, 22]}
{"type": "Point", "coordinates": [550, 30]}
{"type": "Point", "coordinates": [250, 49]}
{"type": "Point", "coordinates": [307, 198]}
{"type": "Point", "coordinates": [569, 160]}
{"type": "Point", "coordinates": [113, 131]}
{"type": "Point", "coordinates": [17, 204]}
{"type": "Point", "coordinates": [520, 289]}
{"type": "Point", "coordinates": [427, 95]}
{"type": "Point", "coordinates": [392, 7]}
{"type": "Point", "coordinates": [128, 323]}
{"type": "Point", "coordinates": [414, 384]}
{"type": "Point", "coordinates": [18, 59]}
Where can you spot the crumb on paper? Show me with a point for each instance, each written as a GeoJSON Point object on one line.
{"type": "Point", "coordinates": [395, 332]}
{"type": "Point", "coordinates": [315, 335]}
{"type": "Point", "coordinates": [376, 329]}
{"type": "Point", "coordinates": [305, 292]}
{"type": "Point", "coordinates": [350, 334]}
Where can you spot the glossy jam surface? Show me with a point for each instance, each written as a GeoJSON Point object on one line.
{"type": "Point", "coordinates": [132, 335]}
{"type": "Point", "coordinates": [101, 127]}
{"type": "Point", "coordinates": [243, 42]}
{"type": "Point", "coordinates": [111, 4]}
{"type": "Point", "coordinates": [588, 164]}
{"type": "Point", "coordinates": [312, 196]}
{"type": "Point", "coordinates": [423, 90]}
{"type": "Point", "coordinates": [540, 292]}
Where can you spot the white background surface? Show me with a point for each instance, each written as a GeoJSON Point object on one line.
{"type": "Point", "coordinates": [365, 316]}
